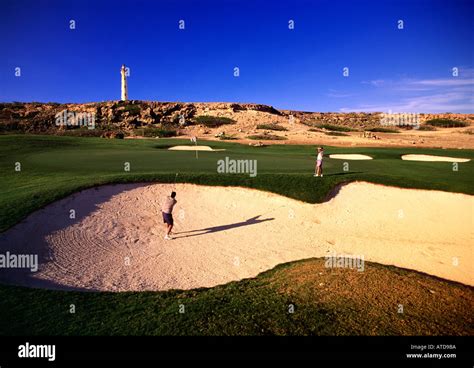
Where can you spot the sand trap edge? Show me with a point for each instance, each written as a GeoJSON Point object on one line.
{"type": "Point", "coordinates": [277, 195]}
{"type": "Point", "coordinates": [433, 158]}
{"type": "Point", "coordinates": [350, 157]}
{"type": "Point", "coordinates": [194, 148]}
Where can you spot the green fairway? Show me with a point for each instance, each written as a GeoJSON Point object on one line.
{"type": "Point", "coordinates": [53, 167]}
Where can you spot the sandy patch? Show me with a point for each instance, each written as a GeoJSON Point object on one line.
{"type": "Point", "coordinates": [433, 158]}
{"type": "Point", "coordinates": [350, 157]}
{"type": "Point", "coordinates": [193, 148]}
{"type": "Point", "coordinates": [225, 234]}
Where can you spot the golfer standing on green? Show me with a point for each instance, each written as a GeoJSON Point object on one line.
{"type": "Point", "coordinates": [167, 212]}
{"type": "Point", "coordinates": [319, 162]}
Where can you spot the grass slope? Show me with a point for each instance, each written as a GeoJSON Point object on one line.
{"type": "Point", "coordinates": [325, 302]}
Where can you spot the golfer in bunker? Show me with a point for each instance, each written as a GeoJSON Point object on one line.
{"type": "Point", "coordinates": [167, 212]}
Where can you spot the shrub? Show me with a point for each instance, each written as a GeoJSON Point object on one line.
{"type": "Point", "coordinates": [132, 109]}
{"type": "Point", "coordinates": [81, 132]}
{"type": "Point", "coordinates": [446, 123]}
{"type": "Point", "coordinates": [383, 130]}
{"type": "Point", "coordinates": [337, 133]}
{"type": "Point", "coordinates": [271, 127]}
{"type": "Point", "coordinates": [335, 128]}
{"type": "Point", "coordinates": [113, 134]}
{"type": "Point", "coordinates": [156, 132]}
{"type": "Point", "coordinates": [9, 126]}
{"type": "Point", "coordinates": [224, 137]}
{"type": "Point", "coordinates": [267, 137]}
{"type": "Point", "coordinates": [213, 121]}
{"type": "Point", "coordinates": [426, 128]}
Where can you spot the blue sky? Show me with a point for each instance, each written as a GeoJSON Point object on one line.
{"type": "Point", "coordinates": [402, 70]}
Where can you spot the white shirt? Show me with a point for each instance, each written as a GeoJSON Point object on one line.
{"type": "Point", "coordinates": [168, 204]}
{"type": "Point", "coordinates": [320, 156]}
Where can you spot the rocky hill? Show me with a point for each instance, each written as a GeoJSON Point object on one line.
{"type": "Point", "coordinates": [128, 116]}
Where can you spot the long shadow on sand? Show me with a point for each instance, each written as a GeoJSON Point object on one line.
{"type": "Point", "coordinates": [251, 221]}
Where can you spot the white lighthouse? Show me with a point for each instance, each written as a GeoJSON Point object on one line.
{"type": "Point", "coordinates": [124, 95]}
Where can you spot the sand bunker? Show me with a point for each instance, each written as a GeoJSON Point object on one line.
{"type": "Point", "coordinates": [225, 234]}
{"type": "Point", "coordinates": [350, 157]}
{"type": "Point", "coordinates": [433, 158]}
{"type": "Point", "coordinates": [193, 148]}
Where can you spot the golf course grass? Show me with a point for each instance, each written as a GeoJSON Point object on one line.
{"type": "Point", "coordinates": [54, 167]}
{"type": "Point", "coordinates": [300, 298]}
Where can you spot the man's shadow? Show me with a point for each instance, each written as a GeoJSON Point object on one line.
{"type": "Point", "coordinates": [214, 229]}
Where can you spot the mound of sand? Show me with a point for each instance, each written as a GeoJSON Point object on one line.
{"type": "Point", "coordinates": [225, 234]}
{"type": "Point", "coordinates": [350, 157]}
{"type": "Point", "coordinates": [433, 158]}
{"type": "Point", "coordinates": [193, 148]}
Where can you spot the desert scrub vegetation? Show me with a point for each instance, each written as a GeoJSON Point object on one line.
{"type": "Point", "coordinates": [446, 123]}
{"type": "Point", "coordinates": [213, 121]}
{"type": "Point", "coordinates": [86, 132]}
{"type": "Point", "coordinates": [426, 128]}
{"type": "Point", "coordinates": [155, 132]}
{"type": "Point", "coordinates": [225, 137]}
{"type": "Point", "coordinates": [267, 137]}
{"type": "Point", "coordinates": [132, 109]}
{"type": "Point", "coordinates": [272, 126]}
{"type": "Point", "coordinates": [335, 128]}
{"type": "Point", "coordinates": [339, 134]}
{"type": "Point", "coordinates": [383, 130]}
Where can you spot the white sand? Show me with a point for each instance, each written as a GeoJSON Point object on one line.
{"type": "Point", "coordinates": [226, 234]}
{"type": "Point", "coordinates": [194, 148]}
{"type": "Point", "coordinates": [350, 157]}
{"type": "Point", "coordinates": [433, 158]}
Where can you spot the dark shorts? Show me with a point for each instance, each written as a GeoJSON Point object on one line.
{"type": "Point", "coordinates": [167, 218]}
